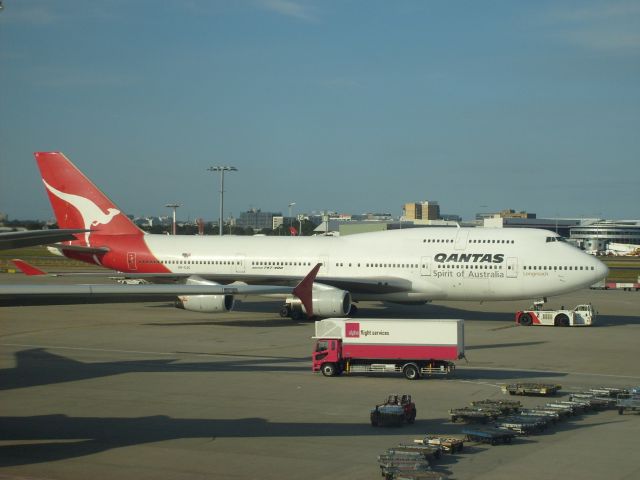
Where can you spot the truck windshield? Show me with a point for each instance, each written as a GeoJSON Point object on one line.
{"type": "Point", "coordinates": [322, 346]}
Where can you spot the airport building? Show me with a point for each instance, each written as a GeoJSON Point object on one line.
{"type": "Point", "coordinates": [257, 219]}
{"type": "Point", "coordinates": [427, 210]}
{"type": "Point", "coordinates": [596, 235]}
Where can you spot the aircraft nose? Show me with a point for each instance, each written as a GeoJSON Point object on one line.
{"type": "Point", "coordinates": [601, 269]}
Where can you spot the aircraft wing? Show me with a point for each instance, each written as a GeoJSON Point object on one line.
{"type": "Point", "coordinates": [354, 285]}
{"type": "Point", "coordinates": [54, 294]}
{"type": "Point", "coordinates": [30, 238]}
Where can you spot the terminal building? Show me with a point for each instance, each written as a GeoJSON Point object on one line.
{"type": "Point", "coordinates": [596, 236]}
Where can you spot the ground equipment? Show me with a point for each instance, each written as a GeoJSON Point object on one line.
{"type": "Point", "coordinates": [582, 315]}
{"type": "Point", "coordinates": [531, 389]}
{"type": "Point", "coordinates": [628, 401]}
{"type": "Point", "coordinates": [395, 411]}
{"type": "Point", "coordinates": [490, 435]}
{"type": "Point", "coordinates": [413, 347]}
{"type": "Point", "coordinates": [448, 443]}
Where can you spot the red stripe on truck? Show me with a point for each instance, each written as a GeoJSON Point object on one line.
{"type": "Point", "coordinates": [401, 352]}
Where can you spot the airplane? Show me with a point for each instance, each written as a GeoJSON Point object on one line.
{"type": "Point", "coordinates": [410, 266]}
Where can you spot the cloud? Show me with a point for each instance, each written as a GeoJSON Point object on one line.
{"type": "Point", "coordinates": [600, 26]}
{"type": "Point", "coordinates": [290, 8]}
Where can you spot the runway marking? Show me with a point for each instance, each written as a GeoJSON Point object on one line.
{"type": "Point", "coordinates": [141, 352]}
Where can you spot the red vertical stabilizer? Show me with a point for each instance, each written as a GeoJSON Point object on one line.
{"type": "Point", "coordinates": [77, 202]}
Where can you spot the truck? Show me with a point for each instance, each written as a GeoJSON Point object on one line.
{"type": "Point", "coordinates": [413, 347]}
{"type": "Point", "coordinates": [626, 286]}
{"type": "Point", "coordinates": [582, 315]}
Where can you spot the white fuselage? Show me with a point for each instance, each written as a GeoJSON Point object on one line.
{"type": "Point", "coordinates": [410, 265]}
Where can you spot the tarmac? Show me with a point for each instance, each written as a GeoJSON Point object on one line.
{"type": "Point", "coordinates": [147, 391]}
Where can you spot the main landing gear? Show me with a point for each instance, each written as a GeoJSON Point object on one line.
{"type": "Point", "coordinates": [295, 314]}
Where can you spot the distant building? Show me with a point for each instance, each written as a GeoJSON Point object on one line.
{"type": "Point", "coordinates": [596, 235]}
{"type": "Point", "coordinates": [427, 210]}
{"type": "Point", "coordinates": [561, 226]}
{"type": "Point", "coordinates": [508, 213]}
{"type": "Point", "coordinates": [257, 219]}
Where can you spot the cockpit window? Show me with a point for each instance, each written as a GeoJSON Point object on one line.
{"type": "Point", "coordinates": [551, 239]}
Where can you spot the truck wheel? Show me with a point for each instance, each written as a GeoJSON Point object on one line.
{"type": "Point", "coordinates": [411, 372]}
{"type": "Point", "coordinates": [620, 410]}
{"type": "Point", "coordinates": [525, 319]}
{"type": "Point", "coordinates": [328, 369]}
{"type": "Point", "coordinates": [562, 320]}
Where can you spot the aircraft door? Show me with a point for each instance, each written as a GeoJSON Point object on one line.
{"type": "Point", "coordinates": [324, 260]}
{"type": "Point", "coordinates": [425, 266]}
{"type": "Point", "coordinates": [240, 264]}
{"type": "Point", "coordinates": [461, 239]}
{"type": "Point", "coordinates": [512, 267]}
{"type": "Point", "coordinates": [131, 261]}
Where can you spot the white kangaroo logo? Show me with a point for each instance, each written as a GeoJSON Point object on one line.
{"type": "Point", "coordinates": [92, 215]}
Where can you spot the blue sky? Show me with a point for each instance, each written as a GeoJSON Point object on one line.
{"type": "Point", "coordinates": [353, 106]}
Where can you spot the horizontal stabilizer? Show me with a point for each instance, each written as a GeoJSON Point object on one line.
{"type": "Point", "coordinates": [80, 249]}
{"type": "Point", "coordinates": [27, 268]}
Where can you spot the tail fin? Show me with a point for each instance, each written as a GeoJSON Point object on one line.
{"type": "Point", "coordinates": [77, 202]}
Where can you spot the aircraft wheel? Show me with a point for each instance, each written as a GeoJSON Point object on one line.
{"type": "Point", "coordinates": [285, 311]}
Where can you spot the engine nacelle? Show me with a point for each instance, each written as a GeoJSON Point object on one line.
{"type": "Point", "coordinates": [205, 303]}
{"type": "Point", "coordinates": [330, 302]}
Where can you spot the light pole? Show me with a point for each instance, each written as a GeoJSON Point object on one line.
{"type": "Point", "coordinates": [222, 169]}
{"type": "Point", "coordinates": [290, 217]}
{"type": "Point", "coordinates": [174, 206]}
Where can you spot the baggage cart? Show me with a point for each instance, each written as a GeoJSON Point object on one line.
{"type": "Point", "coordinates": [447, 443]}
{"type": "Point", "coordinates": [506, 407]}
{"type": "Point", "coordinates": [490, 435]}
{"type": "Point", "coordinates": [628, 401]}
{"type": "Point", "coordinates": [523, 425]}
{"type": "Point", "coordinates": [542, 389]}
{"type": "Point", "coordinates": [474, 414]}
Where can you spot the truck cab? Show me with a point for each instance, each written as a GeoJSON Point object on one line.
{"type": "Point", "coordinates": [327, 356]}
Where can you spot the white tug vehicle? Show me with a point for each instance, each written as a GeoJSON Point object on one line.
{"type": "Point", "coordinates": [580, 316]}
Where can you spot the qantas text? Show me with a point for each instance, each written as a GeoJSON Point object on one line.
{"type": "Point", "coordinates": [470, 257]}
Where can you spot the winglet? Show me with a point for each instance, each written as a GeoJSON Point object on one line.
{"type": "Point", "coordinates": [27, 268]}
{"type": "Point", "coordinates": [304, 288]}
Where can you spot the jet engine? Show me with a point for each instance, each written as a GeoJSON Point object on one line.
{"type": "Point", "coordinates": [205, 303]}
{"type": "Point", "coordinates": [330, 301]}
